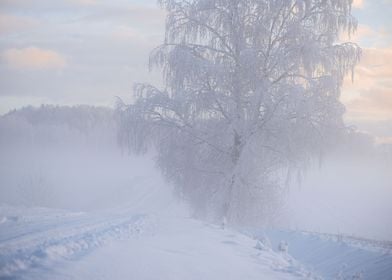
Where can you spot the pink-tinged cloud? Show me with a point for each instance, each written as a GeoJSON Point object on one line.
{"type": "Point", "coordinates": [363, 31]}
{"type": "Point", "coordinates": [33, 58]}
{"type": "Point", "coordinates": [11, 23]}
{"type": "Point", "coordinates": [365, 35]}
{"type": "Point", "coordinates": [83, 2]}
{"type": "Point", "coordinates": [358, 4]}
{"type": "Point", "coordinates": [370, 96]}
{"type": "Point", "coordinates": [21, 4]}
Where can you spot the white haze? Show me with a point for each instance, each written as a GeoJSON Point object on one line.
{"type": "Point", "coordinates": [349, 196]}
{"type": "Point", "coordinates": [69, 169]}
{"type": "Point", "coordinates": [54, 164]}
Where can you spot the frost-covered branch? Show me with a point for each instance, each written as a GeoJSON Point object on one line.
{"type": "Point", "coordinates": [251, 88]}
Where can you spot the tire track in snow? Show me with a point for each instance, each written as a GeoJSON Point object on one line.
{"type": "Point", "coordinates": [71, 239]}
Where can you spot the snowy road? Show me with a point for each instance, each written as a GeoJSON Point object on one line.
{"type": "Point", "coordinates": [117, 245]}
{"type": "Point", "coordinates": [41, 237]}
{"type": "Point", "coordinates": [39, 243]}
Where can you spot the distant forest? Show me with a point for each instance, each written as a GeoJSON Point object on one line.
{"type": "Point", "coordinates": [103, 126]}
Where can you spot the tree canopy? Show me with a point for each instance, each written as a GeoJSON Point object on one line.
{"type": "Point", "coordinates": [251, 89]}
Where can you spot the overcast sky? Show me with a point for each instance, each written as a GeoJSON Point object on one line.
{"type": "Point", "coordinates": [89, 51]}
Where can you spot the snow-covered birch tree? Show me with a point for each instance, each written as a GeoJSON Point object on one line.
{"type": "Point", "coordinates": [251, 88]}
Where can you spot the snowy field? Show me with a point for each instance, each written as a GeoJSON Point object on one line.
{"type": "Point", "coordinates": [120, 245]}
{"type": "Point", "coordinates": [253, 142]}
{"type": "Point", "coordinates": [86, 210]}
{"type": "Point", "coordinates": [123, 243]}
{"type": "Point", "coordinates": [153, 237]}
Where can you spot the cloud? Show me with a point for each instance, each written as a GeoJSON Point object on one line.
{"type": "Point", "coordinates": [83, 2]}
{"type": "Point", "coordinates": [369, 37]}
{"type": "Point", "coordinates": [127, 33]}
{"type": "Point", "coordinates": [370, 96]}
{"type": "Point", "coordinates": [358, 4]}
{"type": "Point", "coordinates": [374, 104]}
{"type": "Point", "coordinates": [363, 31]}
{"type": "Point", "coordinates": [12, 23]}
{"type": "Point", "coordinates": [33, 58]}
{"type": "Point", "coordinates": [36, 4]}
{"type": "Point", "coordinates": [375, 63]}
{"type": "Point", "coordinates": [135, 14]}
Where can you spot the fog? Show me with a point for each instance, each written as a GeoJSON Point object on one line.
{"type": "Point", "coordinates": [76, 179]}
{"type": "Point", "coordinates": [51, 163]}
{"type": "Point", "coordinates": [49, 160]}
{"type": "Point", "coordinates": [197, 139]}
{"type": "Point", "coordinates": [346, 195]}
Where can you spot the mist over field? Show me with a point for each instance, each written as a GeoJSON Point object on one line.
{"type": "Point", "coordinates": [348, 194]}
{"type": "Point", "coordinates": [70, 158]}
{"type": "Point", "coordinates": [61, 161]}
{"type": "Point", "coordinates": [201, 139]}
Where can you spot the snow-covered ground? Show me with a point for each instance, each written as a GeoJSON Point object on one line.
{"type": "Point", "coordinates": [335, 256]}
{"type": "Point", "coordinates": [151, 236]}
{"type": "Point", "coordinates": [123, 222]}
{"type": "Point", "coordinates": [118, 244]}
{"type": "Point", "coordinates": [36, 237]}
{"type": "Point", "coordinates": [163, 242]}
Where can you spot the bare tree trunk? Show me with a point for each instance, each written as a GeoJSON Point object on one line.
{"type": "Point", "coordinates": [230, 207]}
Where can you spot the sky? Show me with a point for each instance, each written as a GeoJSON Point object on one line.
{"type": "Point", "coordinates": [90, 51]}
